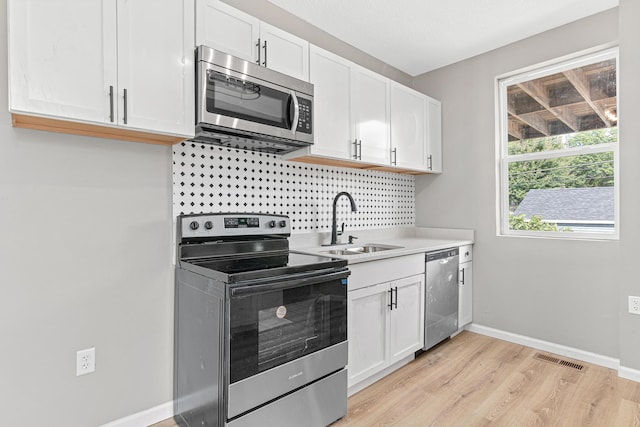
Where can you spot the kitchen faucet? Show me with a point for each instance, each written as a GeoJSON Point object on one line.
{"type": "Point", "coordinates": [334, 226]}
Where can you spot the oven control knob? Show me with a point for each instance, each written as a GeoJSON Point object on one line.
{"type": "Point", "coordinates": [208, 225]}
{"type": "Point", "coordinates": [194, 225]}
{"type": "Point", "coordinates": [271, 224]}
{"type": "Point", "coordinates": [282, 224]}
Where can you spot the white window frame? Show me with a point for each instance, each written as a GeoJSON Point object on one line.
{"type": "Point", "coordinates": [503, 159]}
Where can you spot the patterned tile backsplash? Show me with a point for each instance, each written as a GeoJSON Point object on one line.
{"type": "Point", "coordinates": [208, 178]}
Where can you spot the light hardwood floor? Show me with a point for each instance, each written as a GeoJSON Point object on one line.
{"type": "Point", "coordinates": [473, 380]}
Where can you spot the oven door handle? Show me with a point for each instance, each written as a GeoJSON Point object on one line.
{"type": "Point", "coordinates": [288, 284]}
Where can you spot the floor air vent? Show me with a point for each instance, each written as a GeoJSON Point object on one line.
{"type": "Point", "coordinates": [556, 361]}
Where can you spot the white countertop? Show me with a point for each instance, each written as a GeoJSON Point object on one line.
{"type": "Point", "coordinates": [409, 241]}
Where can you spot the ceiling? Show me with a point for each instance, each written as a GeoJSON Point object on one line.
{"type": "Point", "coordinates": [417, 36]}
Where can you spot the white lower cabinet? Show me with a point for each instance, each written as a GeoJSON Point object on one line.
{"type": "Point", "coordinates": [386, 324]}
{"type": "Point", "coordinates": [368, 331]}
{"type": "Point", "coordinates": [465, 296]}
{"type": "Point", "coordinates": [407, 325]}
{"type": "Point", "coordinates": [465, 286]}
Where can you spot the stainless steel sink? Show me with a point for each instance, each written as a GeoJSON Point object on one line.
{"type": "Point", "coordinates": [364, 249]}
{"type": "Point", "coordinates": [340, 252]}
{"type": "Point", "coordinates": [374, 248]}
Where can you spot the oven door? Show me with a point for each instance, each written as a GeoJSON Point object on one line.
{"type": "Point", "coordinates": [284, 335]}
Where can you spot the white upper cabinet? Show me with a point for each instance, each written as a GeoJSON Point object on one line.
{"type": "Point", "coordinates": [434, 136]}
{"type": "Point", "coordinates": [284, 52]}
{"type": "Point", "coordinates": [156, 65]}
{"type": "Point", "coordinates": [351, 112]}
{"type": "Point", "coordinates": [370, 112]}
{"type": "Point", "coordinates": [408, 128]}
{"type": "Point", "coordinates": [237, 33]}
{"type": "Point", "coordinates": [79, 59]}
{"type": "Point", "coordinates": [222, 27]}
{"type": "Point", "coordinates": [331, 78]}
{"type": "Point", "coordinates": [363, 119]}
{"type": "Point", "coordinates": [62, 58]}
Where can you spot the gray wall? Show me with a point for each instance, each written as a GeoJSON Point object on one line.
{"type": "Point", "coordinates": [85, 257]}
{"type": "Point", "coordinates": [567, 292]}
{"type": "Point", "coordinates": [629, 34]}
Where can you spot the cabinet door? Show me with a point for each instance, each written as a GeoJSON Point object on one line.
{"type": "Point", "coordinates": [156, 65]}
{"type": "Point", "coordinates": [434, 133]}
{"type": "Point", "coordinates": [284, 52]}
{"type": "Point", "coordinates": [408, 127]}
{"type": "Point", "coordinates": [62, 58]}
{"type": "Point", "coordinates": [370, 96]}
{"type": "Point", "coordinates": [465, 299]}
{"type": "Point", "coordinates": [331, 77]}
{"type": "Point", "coordinates": [225, 28]}
{"type": "Point", "coordinates": [407, 318]}
{"type": "Point", "coordinates": [368, 329]}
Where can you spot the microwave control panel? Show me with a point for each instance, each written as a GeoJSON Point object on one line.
{"type": "Point", "coordinates": [304, 115]}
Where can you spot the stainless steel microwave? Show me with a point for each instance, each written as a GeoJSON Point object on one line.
{"type": "Point", "coordinates": [243, 105]}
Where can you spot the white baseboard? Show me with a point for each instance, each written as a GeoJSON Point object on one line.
{"type": "Point", "coordinates": [629, 373]}
{"type": "Point", "coordinates": [144, 418]}
{"type": "Point", "coordinates": [562, 350]}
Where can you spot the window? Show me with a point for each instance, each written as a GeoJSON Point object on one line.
{"type": "Point", "coordinates": [558, 149]}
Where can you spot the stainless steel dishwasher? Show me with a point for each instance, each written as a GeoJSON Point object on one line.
{"type": "Point", "coordinates": [441, 307]}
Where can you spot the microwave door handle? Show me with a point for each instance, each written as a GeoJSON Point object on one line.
{"type": "Point", "coordinates": [296, 112]}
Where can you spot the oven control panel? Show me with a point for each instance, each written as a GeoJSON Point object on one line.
{"type": "Point", "coordinates": [232, 224]}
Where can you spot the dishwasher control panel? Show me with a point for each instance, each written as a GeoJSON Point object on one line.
{"type": "Point", "coordinates": [432, 256]}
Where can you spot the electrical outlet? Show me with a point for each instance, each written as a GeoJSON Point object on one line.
{"type": "Point", "coordinates": [85, 361]}
{"type": "Point", "coordinates": [634, 305]}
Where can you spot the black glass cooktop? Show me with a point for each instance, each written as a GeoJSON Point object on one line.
{"type": "Point", "coordinates": [256, 266]}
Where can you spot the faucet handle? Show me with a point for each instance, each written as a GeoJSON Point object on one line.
{"type": "Point", "coordinates": [339, 233]}
{"type": "Point", "coordinates": [351, 239]}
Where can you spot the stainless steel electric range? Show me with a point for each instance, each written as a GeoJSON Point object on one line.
{"type": "Point", "coordinates": [260, 331]}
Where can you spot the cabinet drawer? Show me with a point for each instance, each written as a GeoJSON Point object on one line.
{"type": "Point", "coordinates": [384, 270]}
{"type": "Point", "coordinates": [466, 253]}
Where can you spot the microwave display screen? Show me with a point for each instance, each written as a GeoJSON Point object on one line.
{"type": "Point", "coordinates": [233, 97]}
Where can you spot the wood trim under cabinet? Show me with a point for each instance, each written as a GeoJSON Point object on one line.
{"type": "Point", "coordinates": [325, 161]}
{"type": "Point", "coordinates": [61, 126]}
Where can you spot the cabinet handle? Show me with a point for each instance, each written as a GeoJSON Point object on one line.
{"type": "Point", "coordinates": [125, 106]}
{"type": "Point", "coordinates": [111, 104]}
{"type": "Point", "coordinates": [390, 305]}
{"type": "Point", "coordinates": [359, 149]}
{"type": "Point", "coordinates": [265, 54]}
{"type": "Point", "coordinates": [462, 271]}
{"type": "Point", "coordinates": [258, 46]}
{"type": "Point", "coordinates": [355, 149]}
{"type": "Point", "coordinates": [396, 302]}
{"type": "Point", "coordinates": [429, 162]}
{"type": "Point", "coordinates": [394, 154]}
